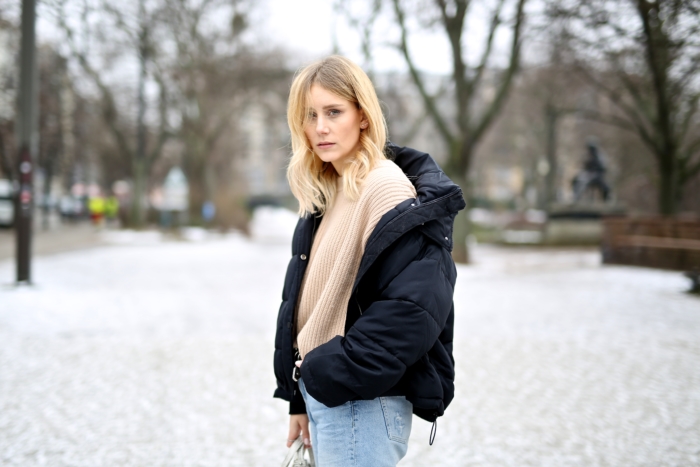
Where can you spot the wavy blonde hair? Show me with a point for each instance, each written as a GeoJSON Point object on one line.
{"type": "Point", "coordinates": [313, 182]}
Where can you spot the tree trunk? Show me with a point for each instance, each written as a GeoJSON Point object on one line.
{"type": "Point", "coordinates": [669, 186]}
{"type": "Point", "coordinates": [138, 193]}
{"type": "Point", "coordinates": [5, 163]}
{"type": "Point", "coordinates": [458, 169]}
{"type": "Point", "coordinates": [194, 165]}
{"type": "Point", "coordinates": [460, 234]}
{"type": "Point", "coordinates": [140, 164]}
{"type": "Point", "coordinates": [48, 177]}
{"type": "Point", "coordinates": [550, 190]}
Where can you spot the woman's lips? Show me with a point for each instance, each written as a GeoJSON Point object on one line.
{"type": "Point", "coordinates": [325, 145]}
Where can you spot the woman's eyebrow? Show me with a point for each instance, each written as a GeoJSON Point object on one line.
{"type": "Point", "coordinates": [326, 107]}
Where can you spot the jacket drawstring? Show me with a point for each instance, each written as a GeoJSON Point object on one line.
{"type": "Point", "coordinates": [433, 432]}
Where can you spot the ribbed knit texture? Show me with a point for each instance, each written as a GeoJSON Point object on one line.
{"type": "Point", "coordinates": [337, 251]}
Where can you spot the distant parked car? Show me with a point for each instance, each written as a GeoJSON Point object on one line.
{"type": "Point", "coordinates": [72, 208]}
{"type": "Point", "coordinates": [7, 206]}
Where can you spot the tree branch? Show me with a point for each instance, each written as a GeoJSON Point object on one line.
{"type": "Point", "coordinates": [214, 136]}
{"type": "Point", "coordinates": [616, 99]}
{"type": "Point", "coordinates": [636, 96]}
{"type": "Point", "coordinates": [513, 65]}
{"type": "Point", "coordinates": [428, 100]}
{"type": "Point", "coordinates": [408, 136]}
{"type": "Point", "coordinates": [690, 170]}
{"type": "Point", "coordinates": [454, 26]}
{"type": "Point", "coordinates": [364, 26]}
{"type": "Point", "coordinates": [413, 131]}
{"type": "Point", "coordinates": [658, 65]}
{"type": "Point", "coordinates": [109, 110]}
{"type": "Point", "coordinates": [495, 22]}
{"type": "Point", "coordinates": [693, 148]}
{"type": "Point", "coordinates": [688, 117]}
{"type": "Point", "coordinates": [163, 133]}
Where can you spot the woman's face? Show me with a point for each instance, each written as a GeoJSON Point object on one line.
{"type": "Point", "coordinates": [333, 128]}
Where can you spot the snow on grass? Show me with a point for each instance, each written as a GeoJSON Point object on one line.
{"type": "Point", "coordinates": [159, 352]}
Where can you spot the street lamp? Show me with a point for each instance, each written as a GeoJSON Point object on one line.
{"type": "Point", "coordinates": [27, 140]}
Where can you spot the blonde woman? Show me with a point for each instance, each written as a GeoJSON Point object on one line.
{"type": "Point", "coordinates": [364, 333]}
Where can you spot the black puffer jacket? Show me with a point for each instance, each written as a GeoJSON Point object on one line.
{"type": "Point", "coordinates": [398, 330]}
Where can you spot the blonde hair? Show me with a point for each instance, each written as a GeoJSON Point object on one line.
{"type": "Point", "coordinates": [313, 182]}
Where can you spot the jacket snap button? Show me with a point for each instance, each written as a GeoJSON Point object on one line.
{"type": "Point", "coordinates": [447, 239]}
{"type": "Point", "coordinates": [303, 257]}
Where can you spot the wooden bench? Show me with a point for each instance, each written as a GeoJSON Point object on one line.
{"type": "Point", "coordinates": [648, 241]}
{"type": "Point", "coordinates": [652, 242]}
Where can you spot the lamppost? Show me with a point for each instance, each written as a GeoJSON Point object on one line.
{"type": "Point", "coordinates": [27, 139]}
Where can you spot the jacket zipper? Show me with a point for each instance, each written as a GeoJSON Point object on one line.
{"type": "Point", "coordinates": [358, 306]}
{"type": "Point", "coordinates": [294, 310]}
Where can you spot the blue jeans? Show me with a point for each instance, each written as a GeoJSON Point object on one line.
{"type": "Point", "coordinates": [370, 433]}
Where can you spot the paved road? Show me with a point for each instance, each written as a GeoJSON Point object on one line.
{"type": "Point", "coordinates": [61, 238]}
{"type": "Point", "coordinates": [160, 355]}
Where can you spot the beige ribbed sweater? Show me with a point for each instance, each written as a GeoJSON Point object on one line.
{"type": "Point", "coordinates": [337, 251]}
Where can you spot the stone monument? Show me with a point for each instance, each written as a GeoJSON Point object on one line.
{"type": "Point", "coordinates": [579, 221]}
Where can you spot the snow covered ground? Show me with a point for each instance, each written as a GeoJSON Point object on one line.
{"type": "Point", "coordinates": [159, 353]}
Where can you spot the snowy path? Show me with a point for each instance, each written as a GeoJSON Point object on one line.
{"type": "Point", "coordinates": [160, 355]}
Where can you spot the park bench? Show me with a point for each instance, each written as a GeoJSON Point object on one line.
{"type": "Point", "coordinates": [648, 241]}
{"type": "Point", "coordinates": [654, 242]}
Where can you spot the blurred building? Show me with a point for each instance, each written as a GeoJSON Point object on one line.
{"type": "Point", "coordinates": [266, 146]}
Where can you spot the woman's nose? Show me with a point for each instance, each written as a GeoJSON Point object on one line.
{"type": "Point", "coordinates": [321, 127]}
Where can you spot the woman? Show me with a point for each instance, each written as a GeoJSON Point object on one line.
{"type": "Point", "coordinates": [364, 333]}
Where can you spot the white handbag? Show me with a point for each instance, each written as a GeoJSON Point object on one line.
{"type": "Point", "coordinates": [295, 456]}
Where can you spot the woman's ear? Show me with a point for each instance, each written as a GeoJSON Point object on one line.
{"type": "Point", "coordinates": [364, 123]}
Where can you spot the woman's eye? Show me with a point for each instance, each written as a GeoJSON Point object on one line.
{"type": "Point", "coordinates": [312, 115]}
{"type": "Point", "coordinates": [333, 113]}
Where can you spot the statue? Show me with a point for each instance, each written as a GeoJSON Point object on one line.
{"type": "Point", "coordinates": [581, 222]}
{"type": "Point", "coordinates": [592, 175]}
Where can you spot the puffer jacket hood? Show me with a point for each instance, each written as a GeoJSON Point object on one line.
{"type": "Point", "coordinates": [438, 198]}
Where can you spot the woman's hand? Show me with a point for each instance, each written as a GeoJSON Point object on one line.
{"type": "Point", "coordinates": [299, 424]}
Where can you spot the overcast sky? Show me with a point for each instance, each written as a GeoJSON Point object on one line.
{"type": "Point", "coordinates": [308, 27]}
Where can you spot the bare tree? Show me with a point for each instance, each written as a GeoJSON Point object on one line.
{"type": "Point", "coordinates": [138, 41]}
{"type": "Point", "coordinates": [8, 38]}
{"type": "Point", "coordinates": [363, 18]}
{"type": "Point", "coordinates": [363, 22]}
{"type": "Point", "coordinates": [463, 130]}
{"type": "Point", "coordinates": [52, 70]}
{"type": "Point", "coordinates": [204, 95]}
{"type": "Point", "coordinates": [5, 161]}
{"type": "Point", "coordinates": [213, 73]}
{"type": "Point", "coordinates": [643, 57]}
{"type": "Point", "coordinates": [194, 55]}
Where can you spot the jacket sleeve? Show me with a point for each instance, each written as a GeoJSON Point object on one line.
{"type": "Point", "coordinates": [297, 404]}
{"type": "Point", "coordinates": [391, 335]}
{"type": "Point", "coordinates": [295, 399]}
